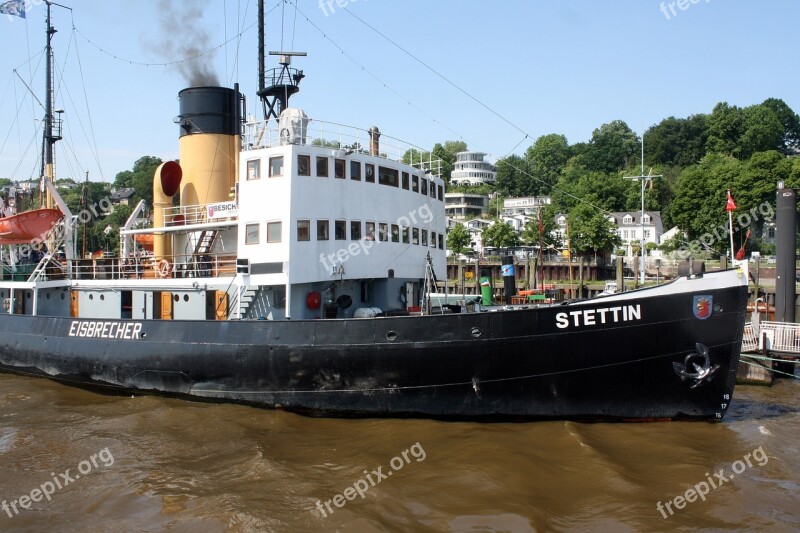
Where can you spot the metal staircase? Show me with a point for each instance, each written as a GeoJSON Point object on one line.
{"type": "Point", "coordinates": [205, 241]}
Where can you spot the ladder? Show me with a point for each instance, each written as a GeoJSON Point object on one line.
{"type": "Point", "coordinates": [205, 242]}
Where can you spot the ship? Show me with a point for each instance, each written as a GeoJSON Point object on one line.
{"type": "Point", "coordinates": [289, 263]}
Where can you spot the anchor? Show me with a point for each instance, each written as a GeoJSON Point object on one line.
{"type": "Point", "coordinates": [700, 362]}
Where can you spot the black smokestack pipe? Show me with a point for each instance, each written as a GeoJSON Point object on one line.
{"type": "Point", "coordinates": [786, 250]}
{"type": "Point", "coordinates": [507, 271]}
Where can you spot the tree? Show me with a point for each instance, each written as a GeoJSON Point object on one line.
{"type": "Point", "coordinates": [549, 236]}
{"type": "Point", "coordinates": [447, 154]}
{"type": "Point", "coordinates": [458, 239]}
{"type": "Point", "coordinates": [140, 178]}
{"type": "Point", "coordinates": [790, 121]}
{"type": "Point", "coordinates": [591, 231]}
{"type": "Point", "coordinates": [500, 235]}
{"type": "Point", "coordinates": [725, 127]}
{"type": "Point", "coordinates": [676, 141]}
{"type": "Point", "coordinates": [512, 176]}
{"type": "Point", "coordinates": [546, 158]}
{"type": "Point", "coordinates": [762, 131]}
{"type": "Point", "coordinates": [699, 204]}
{"type": "Point", "coordinates": [612, 147]}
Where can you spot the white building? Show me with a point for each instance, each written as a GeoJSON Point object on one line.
{"type": "Point", "coordinates": [462, 206]}
{"type": "Point", "coordinates": [528, 205]}
{"type": "Point", "coordinates": [630, 226]}
{"type": "Point", "coordinates": [471, 169]}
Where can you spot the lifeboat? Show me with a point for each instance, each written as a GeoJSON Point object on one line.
{"type": "Point", "coordinates": [145, 241]}
{"type": "Point", "coordinates": [28, 227]}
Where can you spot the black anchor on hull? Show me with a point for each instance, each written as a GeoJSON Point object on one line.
{"type": "Point", "coordinates": [700, 363]}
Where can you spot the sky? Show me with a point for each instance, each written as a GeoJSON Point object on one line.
{"type": "Point", "coordinates": [496, 75]}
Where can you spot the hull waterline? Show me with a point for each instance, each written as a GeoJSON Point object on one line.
{"type": "Point", "coordinates": [607, 358]}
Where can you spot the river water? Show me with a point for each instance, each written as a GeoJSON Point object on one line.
{"type": "Point", "coordinates": [82, 461]}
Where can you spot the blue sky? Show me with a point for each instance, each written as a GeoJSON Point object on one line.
{"type": "Point", "coordinates": [544, 66]}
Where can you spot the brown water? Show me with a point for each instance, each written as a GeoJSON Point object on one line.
{"type": "Point", "coordinates": [170, 464]}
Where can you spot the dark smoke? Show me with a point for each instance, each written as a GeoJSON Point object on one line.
{"type": "Point", "coordinates": [183, 36]}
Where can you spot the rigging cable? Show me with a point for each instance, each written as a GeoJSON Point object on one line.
{"type": "Point", "coordinates": [95, 151]}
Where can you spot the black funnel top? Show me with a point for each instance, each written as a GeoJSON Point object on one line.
{"type": "Point", "coordinates": [208, 110]}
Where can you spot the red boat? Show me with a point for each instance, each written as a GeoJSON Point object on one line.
{"type": "Point", "coordinates": [28, 227]}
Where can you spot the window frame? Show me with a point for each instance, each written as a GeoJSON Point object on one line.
{"type": "Point", "coordinates": [253, 169]}
{"type": "Point", "coordinates": [247, 228]}
{"type": "Point", "coordinates": [271, 225]}
{"type": "Point", "coordinates": [327, 164]}
{"type": "Point", "coordinates": [307, 228]}
{"type": "Point", "coordinates": [324, 223]}
{"type": "Point", "coordinates": [307, 159]}
{"type": "Point", "coordinates": [272, 160]}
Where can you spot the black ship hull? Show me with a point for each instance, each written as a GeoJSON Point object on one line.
{"type": "Point", "coordinates": [607, 358]}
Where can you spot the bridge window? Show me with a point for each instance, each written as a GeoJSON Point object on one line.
{"type": "Point", "coordinates": [322, 167]}
{"type": "Point", "coordinates": [338, 168]}
{"type": "Point", "coordinates": [370, 173]}
{"type": "Point", "coordinates": [355, 170]}
{"type": "Point", "coordinates": [424, 237]}
{"type": "Point", "coordinates": [406, 239]}
{"type": "Point", "coordinates": [370, 231]}
{"type": "Point", "coordinates": [276, 166]}
{"type": "Point", "coordinates": [415, 236]}
{"type": "Point", "coordinates": [303, 165]}
{"type": "Point", "coordinates": [441, 193]}
{"type": "Point", "coordinates": [424, 189]}
{"type": "Point", "coordinates": [414, 183]}
{"type": "Point", "coordinates": [251, 234]}
{"type": "Point", "coordinates": [355, 230]}
{"type": "Point", "coordinates": [254, 169]}
{"type": "Point", "coordinates": [395, 233]}
{"type": "Point", "coordinates": [340, 230]}
{"type": "Point", "coordinates": [383, 232]}
{"type": "Point", "coordinates": [303, 230]}
{"type": "Point", "coordinates": [441, 241]}
{"type": "Point", "coordinates": [405, 180]}
{"type": "Point", "coordinates": [322, 230]}
{"type": "Point", "coordinates": [388, 176]}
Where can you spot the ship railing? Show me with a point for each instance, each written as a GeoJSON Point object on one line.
{"type": "Point", "coordinates": [340, 137]}
{"type": "Point", "coordinates": [184, 215]}
{"type": "Point", "coordinates": [749, 339]}
{"type": "Point", "coordinates": [208, 265]}
{"type": "Point", "coordinates": [781, 336]}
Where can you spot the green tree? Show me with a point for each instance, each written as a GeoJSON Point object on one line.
{"type": "Point", "coordinates": [612, 148]}
{"type": "Point", "coordinates": [447, 153]}
{"type": "Point", "coordinates": [699, 204]}
{"type": "Point", "coordinates": [591, 231]}
{"type": "Point", "coordinates": [676, 141]}
{"type": "Point", "coordinates": [512, 176]}
{"type": "Point", "coordinates": [458, 239]}
{"type": "Point", "coordinates": [790, 121]}
{"type": "Point", "coordinates": [549, 237]}
{"type": "Point", "coordinates": [762, 131]}
{"type": "Point", "coordinates": [725, 127]}
{"type": "Point", "coordinates": [546, 159]}
{"type": "Point", "coordinates": [140, 178]}
{"type": "Point", "coordinates": [500, 235]}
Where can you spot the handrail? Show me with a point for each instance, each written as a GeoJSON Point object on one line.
{"type": "Point", "coordinates": [210, 265]}
{"type": "Point", "coordinates": [336, 136]}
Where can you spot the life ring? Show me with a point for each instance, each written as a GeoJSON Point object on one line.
{"type": "Point", "coordinates": [163, 269]}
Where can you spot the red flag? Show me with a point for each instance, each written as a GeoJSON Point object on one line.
{"type": "Point", "coordinates": [740, 253]}
{"type": "Point", "coordinates": [731, 206]}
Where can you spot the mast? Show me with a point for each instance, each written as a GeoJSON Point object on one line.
{"type": "Point", "coordinates": [284, 82]}
{"type": "Point", "coordinates": [52, 126]}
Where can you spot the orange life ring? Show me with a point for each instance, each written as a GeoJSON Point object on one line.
{"type": "Point", "coordinates": [163, 269]}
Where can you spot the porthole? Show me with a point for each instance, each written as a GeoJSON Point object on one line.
{"type": "Point", "coordinates": [475, 332]}
{"type": "Point", "coordinates": [102, 297]}
{"type": "Point", "coordinates": [176, 298]}
{"type": "Point", "coordinates": [391, 336]}
{"type": "Point", "coordinates": [185, 297]}
{"type": "Point", "coordinates": [91, 296]}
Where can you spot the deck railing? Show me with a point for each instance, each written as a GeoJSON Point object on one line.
{"type": "Point", "coordinates": [176, 266]}
{"type": "Point", "coordinates": [265, 134]}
